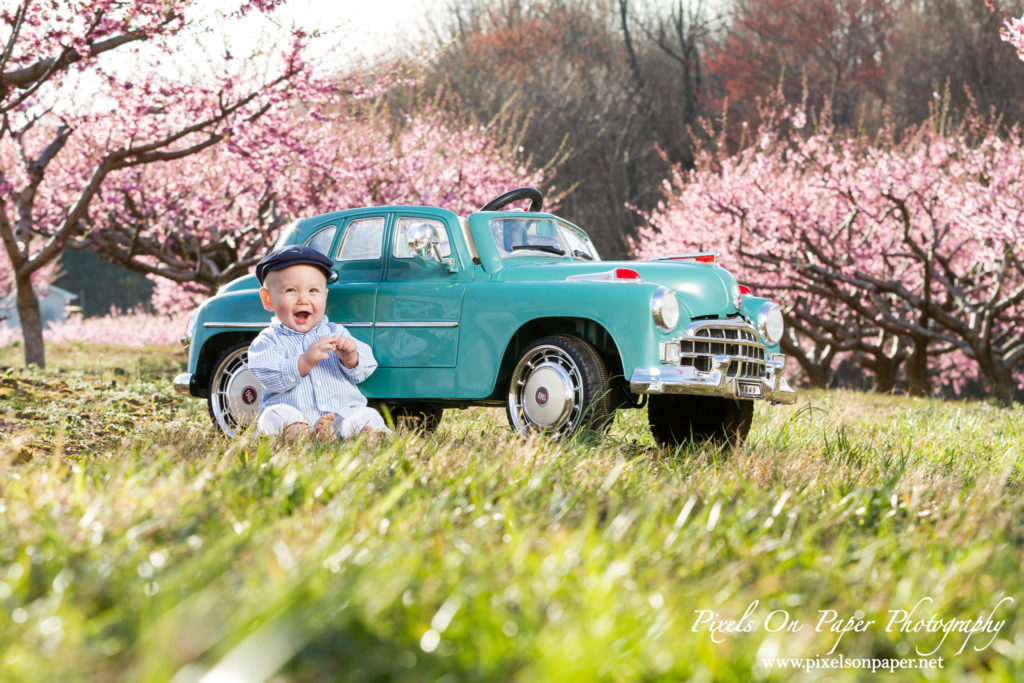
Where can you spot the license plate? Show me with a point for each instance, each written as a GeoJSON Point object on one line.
{"type": "Point", "coordinates": [750, 389]}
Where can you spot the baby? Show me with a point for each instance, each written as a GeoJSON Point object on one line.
{"type": "Point", "coordinates": [309, 367]}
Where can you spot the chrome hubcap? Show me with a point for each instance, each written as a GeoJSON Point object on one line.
{"type": "Point", "coordinates": [548, 395]}
{"type": "Point", "coordinates": [236, 393]}
{"type": "Point", "coordinates": [546, 392]}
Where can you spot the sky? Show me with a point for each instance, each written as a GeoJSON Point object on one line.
{"type": "Point", "coordinates": [381, 19]}
{"type": "Point", "coordinates": [351, 33]}
{"type": "Point", "coordinates": [366, 28]}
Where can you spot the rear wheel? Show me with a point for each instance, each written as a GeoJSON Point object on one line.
{"type": "Point", "coordinates": [678, 419]}
{"type": "Point", "coordinates": [558, 386]}
{"type": "Point", "coordinates": [234, 398]}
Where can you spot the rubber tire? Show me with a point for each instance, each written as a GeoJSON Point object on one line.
{"type": "Point", "coordinates": [225, 422]}
{"type": "Point", "coordinates": [597, 410]}
{"type": "Point", "coordinates": [677, 419]}
{"type": "Point", "coordinates": [416, 417]}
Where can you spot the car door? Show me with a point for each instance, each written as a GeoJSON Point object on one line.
{"type": "Point", "coordinates": [419, 303]}
{"type": "Point", "coordinates": [359, 261]}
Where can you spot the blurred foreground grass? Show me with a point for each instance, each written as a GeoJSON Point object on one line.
{"type": "Point", "coordinates": [139, 545]}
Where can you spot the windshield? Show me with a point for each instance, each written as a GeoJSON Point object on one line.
{"type": "Point", "coordinates": [517, 236]}
{"type": "Point", "coordinates": [286, 236]}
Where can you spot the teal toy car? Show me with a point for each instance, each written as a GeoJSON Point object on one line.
{"type": "Point", "coordinates": [513, 308]}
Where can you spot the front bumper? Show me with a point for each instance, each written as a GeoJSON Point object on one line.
{"type": "Point", "coordinates": [773, 387]}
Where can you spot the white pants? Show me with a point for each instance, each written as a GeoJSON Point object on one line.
{"type": "Point", "coordinates": [274, 419]}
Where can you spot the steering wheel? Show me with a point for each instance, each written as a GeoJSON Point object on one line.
{"type": "Point", "coordinates": [533, 194]}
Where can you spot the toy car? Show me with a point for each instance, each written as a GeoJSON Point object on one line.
{"type": "Point", "coordinates": [514, 308]}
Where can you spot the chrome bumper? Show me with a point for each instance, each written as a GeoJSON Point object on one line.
{"type": "Point", "coordinates": [689, 380]}
{"type": "Point", "coordinates": [183, 384]}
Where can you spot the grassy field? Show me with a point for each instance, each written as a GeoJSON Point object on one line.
{"type": "Point", "coordinates": [137, 544]}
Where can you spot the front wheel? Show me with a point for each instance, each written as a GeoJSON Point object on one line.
{"type": "Point", "coordinates": [234, 400]}
{"type": "Point", "coordinates": [678, 419]}
{"type": "Point", "coordinates": [559, 386]}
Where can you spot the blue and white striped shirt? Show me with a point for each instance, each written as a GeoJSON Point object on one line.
{"type": "Point", "coordinates": [329, 387]}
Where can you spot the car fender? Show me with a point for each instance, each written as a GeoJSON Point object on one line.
{"type": "Point", "coordinates": [221, 321]}
{"type": "Point", "coordinates": [495, 313]}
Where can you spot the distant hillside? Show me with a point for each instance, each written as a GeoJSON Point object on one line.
{"type": "Point", "coordinates": [100, 284]}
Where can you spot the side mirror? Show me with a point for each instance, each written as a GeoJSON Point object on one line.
{"type": "Point", "coordinates": [421, 239]}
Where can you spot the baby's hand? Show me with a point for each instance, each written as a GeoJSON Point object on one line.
{"type": "Point", "coordinates": [317, 352]}
{"type": "Point", "coordinates": [347, 352]}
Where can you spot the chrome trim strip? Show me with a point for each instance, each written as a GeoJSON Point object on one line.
{"type": "Point", "coordinates": [689, 380]}
{"type": "Point", "coordinates": [244, 326]}
{"type": "Point", "coordinates": [745, 359]}
{"type": "Point", "coordinates": [691, 329]}
{"type": "Point", "coordinates": [259, 326]}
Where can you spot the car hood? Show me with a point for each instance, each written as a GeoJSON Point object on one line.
{"type": "Point", "coordinates": [244, 282]}
{"type": "Point", "coordinates": [703, 289]}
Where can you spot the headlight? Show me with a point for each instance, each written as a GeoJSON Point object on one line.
{"type": "Point", "coordinates": [770, 323]}
{"type": "Point", "coordinates": [665, 308]}
{"type": "Point", "coordinates": [186, 337]}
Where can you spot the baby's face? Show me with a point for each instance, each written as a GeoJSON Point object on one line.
{"type": "Point", "coordinates": [297, 294]}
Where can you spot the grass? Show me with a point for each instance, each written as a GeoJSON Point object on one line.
{"type": "Point", "coordinates": [139, 545]}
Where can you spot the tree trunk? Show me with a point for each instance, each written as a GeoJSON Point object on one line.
{"type": "Point", "coordinates": [817, 365]}
{"type": "Point", "coordinates": [917, 367]}
{"type": "Point", "coordinates": [885, 370]}
{"type": "Point", "coordinates": [1004, 387]}
{"type": "Point", "coordinates": [818, 375]}
{"type": "Point", "coordinates": [31, 321]}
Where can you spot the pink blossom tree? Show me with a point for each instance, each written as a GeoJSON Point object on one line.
{"type": "Point", "coordinates": [1013, 33]}
{"type": "Point", "coordinates": [201, 221]}
{"type": "Point", "coordinates": [902, 249]}
{"type": "Point", "coordinates": [41, 279]}
{"type": "Point", "coordinates": [59, 149]}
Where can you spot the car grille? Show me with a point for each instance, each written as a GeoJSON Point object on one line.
{"type": "Point", "coordinates": [738, 342]}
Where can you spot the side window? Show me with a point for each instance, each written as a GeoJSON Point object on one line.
{"type": "Point", "coordinates": [362, 240]}
{"type": "Point", "coordinates": [321, 239]}
{"type": "Point", "coordinates": [405, 226]}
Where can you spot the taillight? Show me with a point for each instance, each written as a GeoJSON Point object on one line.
{"type": "Point", "coordinates": [698, 257]}
{"type": "Point", "coordinates": [614, 275]}
{"type": "Point", "coordinates": [745, 291]}
{"type": "Point", "coordinates": [185, 339]}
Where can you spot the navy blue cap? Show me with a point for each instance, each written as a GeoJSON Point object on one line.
{"type": "Point", "coordinates": [292, 256]}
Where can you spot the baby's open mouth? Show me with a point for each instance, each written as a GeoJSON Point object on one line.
{"type": "Point", "coordinates": [302, 316]}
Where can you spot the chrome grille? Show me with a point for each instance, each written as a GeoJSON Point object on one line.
{"type": "Point", "coordinates": [732, 338]}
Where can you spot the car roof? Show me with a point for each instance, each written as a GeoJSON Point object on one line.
{"type": "Point", "coordinates": [461, 221]}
